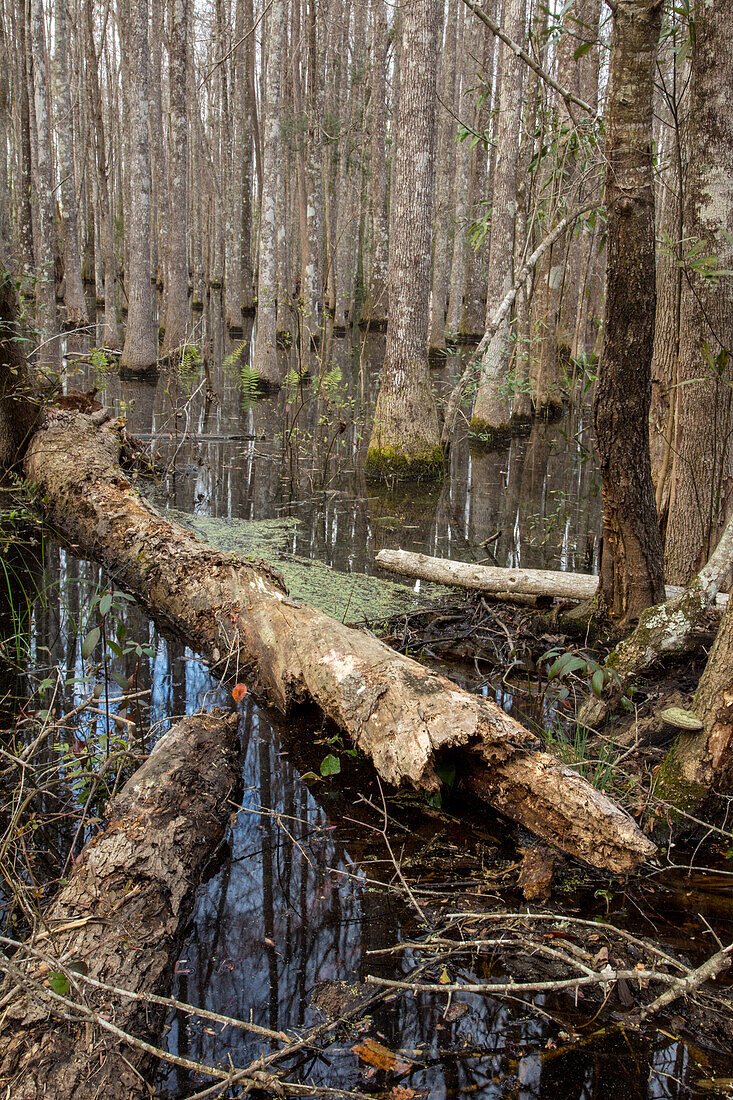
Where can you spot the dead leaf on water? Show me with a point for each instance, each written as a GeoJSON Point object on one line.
{"type": "Point", "coordinates": [381, 1057]}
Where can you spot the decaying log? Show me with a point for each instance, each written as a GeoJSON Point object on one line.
{"type": "Point", "coordinates": [507, 583]}
{"type": "Point", "coordinates": [663, 630]}
{"type": "Point", "coordinates": [120, 919]}
{"type": "Point", "coordinates": [238, 614]}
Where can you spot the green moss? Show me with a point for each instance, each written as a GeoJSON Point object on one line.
{"type": "Point", "coordinates": [671, 786]}
{"type": "Point", "coordinates": [489, 435]}
{"type": "Point", "coordinates": [391, 463]}
{"type": "Point", "coordinates": [347, 597]}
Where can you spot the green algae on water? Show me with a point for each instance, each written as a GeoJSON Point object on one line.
{"type": "Point", "coordinates": [347, 597]}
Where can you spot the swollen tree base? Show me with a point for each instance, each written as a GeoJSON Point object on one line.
{"type": "Point", "coordinates": [120, 919]}
{"type": "Point", "coordinates": [238, 613]}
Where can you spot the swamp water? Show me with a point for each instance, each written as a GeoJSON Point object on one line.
{"type": "Point", "coordinates": [305, 894]}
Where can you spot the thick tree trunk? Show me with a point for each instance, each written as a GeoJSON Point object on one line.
{"type": "Point", "coordinates": [492, 410]}
{"type": "Point", "coordinates": [702, 475]}
{"type": "Point", "coordinates": [176, 299]}
{"type": "Point", "coordinates": [442, 207]}
{"type": "Point", "coordinates": [140, 351]}
{"type": "Point", "coordinates": [405, 440]}
{"type": "Point", "coordinates": [265, 354]}
{"type": "Point", "coordinates": [121, 919]}
{"type": "Point", "coordinates": [631, 565]}
{"type": "Point", "coordinates": [237, 613]}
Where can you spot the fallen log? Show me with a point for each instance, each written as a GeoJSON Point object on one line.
{"type": "Point", "coordinates": [506, 583]}
{"type": "Point", "coordinates": [238, 614]}
{"type": "Point", "coordinates": [120, 919]}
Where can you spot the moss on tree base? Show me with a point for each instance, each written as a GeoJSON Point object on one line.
{"type": "Point", "coordinates": [490, 435]}
{"type": "Point", "coordinates": [393, 464]}
{"type": "Point", "coordinates": [682, 794]}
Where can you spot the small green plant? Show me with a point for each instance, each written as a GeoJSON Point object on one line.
{"type": "Point", "coordinates": [568, 666]}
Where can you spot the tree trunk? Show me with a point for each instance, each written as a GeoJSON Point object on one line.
{"type": "Point", "coordinates": [43, 239]}
{"type": "Point", "coordinates": [376, 306]}
{"type": "Point", "coordinates": [236, 612]}
{"type": "Point", "coordinates": [405, 440]}
{"type": "Point", "coordinates": [664, 629]}
{"type": "Point", "coordinates": [19, 412]}
{"type": "Point", "coordinates": [442, 207]}
{"type": "Point", "coordinates": [176, 300]}
{"type": "Point", "coordinates": [631, 564]}
{"type": "Point", "coordinates": [111, 336]}
{"type": "Point", "coordinates": [702, 474]}
{"type": "Point", "coordinates": [123, 914]}
{"type": "Point", "coordinates": [140, 351]}
{"type": "Point", "coordinates": [74, 300]}
{"type": "Point", "coordinates": [265, 354]}
{"type": "Point", "coordinates": [492, 410]}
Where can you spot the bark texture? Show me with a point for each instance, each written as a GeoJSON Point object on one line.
{"type": "Point", "coordinates": [19, 411]}
{"type": "Point", "coordinates": [631, 565]}
{"type": "Point", "coordinates": [405, 440]}
{"type": "Point", "coordinates": [176, 312]}
{"type": "Point", "coordinates": [237, 613]}
{"type": "Point", "coordinates": [121, 919]}
{"type": "Point", "coordinates": [492, 410]}
{"type": "Point", "coordinates": [140, 351]}
{"type": "Point", "coordinates": [702, 473]}
{"type": "Point", "coordinates": [699, 763]}
{"type": "Point", "coordinates": [265, 354]}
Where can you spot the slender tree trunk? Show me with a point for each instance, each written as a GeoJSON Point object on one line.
{"type": "Point", "coordinates": [24, 245]}
{"type": "Point", "coordinates": [176, 313]}
{"type": "Point", "coordinates": [631, 565]}
{"type": "Point", "coordinates": [110, 336]}
{"type": "Point", "coordinates": [703, 467]}
{"type": "Point", "coordinates": [140, 351]}
{"type": "Point", "coordinates": [442, 207]}
{"type": "Point", "coordinates": [74, 300]}
{"type": "Point", "coordinates": [43, 240]}
{"type": "Point", "coordinates": [265, 355]}
{"type": "Point", "coordinates": [376, 308]}
{"type": "Point", "coordinates": [405, 441]}
{"type": "Point", "coordinates": [492, 410]}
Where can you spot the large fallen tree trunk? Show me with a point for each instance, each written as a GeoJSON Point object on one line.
{"type": "Point", "coordinates": [120, 919]}
{"type": "Point", "coordinates": [239, 615]}
{"type": "Point", "coordinates": [507, 583]}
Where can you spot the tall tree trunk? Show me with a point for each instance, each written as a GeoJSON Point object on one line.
{"type": "Point", "coordinates": [48, 353]}
{"type": "Point", "coordinates": [703, 467]}
{"type": "Point", "coordinates": [110, 336]}
{"type": "Point", "coordinates": [631, 565]}
{"type": "Point", "coordinates": [140, 351]}
{"type": "Point", "coordinates": [442, 211]}
{"type": "Point", "coordinates": [176, 312]}
{"type": "Point", "coordinates": [74, 300]}
{"type": "Point", "coordinates": [376, 307]}
{"type": "Point", "coordinates": [405, 441]}
{"type": "Point", "coordinates": [492, 410]}
{"type": "Point", "coordinates": [265, 355]}
{"type": "Point", "coordinates": [24, 238]}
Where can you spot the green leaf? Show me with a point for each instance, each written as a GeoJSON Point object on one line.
{"type": "Point", "coordinates": [89, 644]}
{"type": "Point", "coordinates": [105, 604]}
{"type": "Point", "coordinates": [583, 50]}
{"type": "Point", "coordinates": [116, 649]}
{"type": "Point", "coordinates": [58, 983]}
{"type": "Point", "coordinates": [447, 773]}
{"type": "Point", "coordinates": [121, 680]}
{"type": "Point", "coordinates": [597, 682]}
{"type": "Point", "coordinates": [330, 765]}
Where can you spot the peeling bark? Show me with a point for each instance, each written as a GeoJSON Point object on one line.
{"type": "Point", "coordinates": [120, 919]}
{"type": "Point", "coordinates": [237, 613]}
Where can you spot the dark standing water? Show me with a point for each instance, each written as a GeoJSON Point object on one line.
{"type": "Point", "coordinates": [292, 901]}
